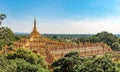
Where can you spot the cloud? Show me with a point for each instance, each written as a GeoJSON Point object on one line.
{"type": "Point", "coordinates": [18, 25]}
{"type": "Point", "coordinates": [69, 26]}
{"type": "Point", "coordinates": [110, 24]}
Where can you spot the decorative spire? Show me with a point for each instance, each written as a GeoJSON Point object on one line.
{"type": "Point", "coordinates": [35, 28]}
{"type": "Point", "coordinates": [35, 33]}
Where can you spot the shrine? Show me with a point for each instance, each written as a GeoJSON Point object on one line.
{"type": "Point", "coordinates": [52, 50]}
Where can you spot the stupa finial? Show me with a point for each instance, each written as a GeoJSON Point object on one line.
{"type": "Point", "coordinates": [35, 33]}
{"type": "Point", "coordinates": [35, 28]}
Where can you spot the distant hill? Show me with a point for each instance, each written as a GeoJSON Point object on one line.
{"type": "Point", "coordinates": [21, 34]}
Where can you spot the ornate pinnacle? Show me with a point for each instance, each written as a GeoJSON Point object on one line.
{"type": "Point", "coordinates": [35, 28]}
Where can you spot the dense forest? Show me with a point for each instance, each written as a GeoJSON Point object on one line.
{"type": "Point", "coordinates": [24, 60]}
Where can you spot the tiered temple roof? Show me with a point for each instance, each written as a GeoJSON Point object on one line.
{"type": "Point", "coordinates": [53, 50]}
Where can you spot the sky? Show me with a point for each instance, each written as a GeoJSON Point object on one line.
{"type": "Point", "coordinates": [62, 16]}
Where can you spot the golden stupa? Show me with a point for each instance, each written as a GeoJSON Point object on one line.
{"type": "Point", "coordinates": [53, 50]}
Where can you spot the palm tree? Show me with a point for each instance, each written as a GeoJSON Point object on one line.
{"type": "Point", "coordinates": [2, 17]}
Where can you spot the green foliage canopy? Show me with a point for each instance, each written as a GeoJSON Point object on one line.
{"type": "Point", "coordinates": [6, 37]}
{"type": "Point", "coordinates": [22, 61]}
{"type": "Point", "coordinates": [72, 62]}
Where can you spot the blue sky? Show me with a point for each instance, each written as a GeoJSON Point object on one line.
{"type": "Point", "coordinates": [62, 16]}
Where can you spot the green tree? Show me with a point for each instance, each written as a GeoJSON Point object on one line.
{"type": "Point", "coordinates": [116, 46]}
{"type": "Point", "coordinates": [2, 17]}
{"type": "Point", "coordinates": [67, 63]}
{"type": "Point", "coordinates": [6, 65]}
{"type": "Point", "coordinates": [107, 38]}
{"type": "Point", "coordinates": [84, 39]}
{"type": "Point", "coordinates": [54, 37]}
{"type": "Point", "coordinates": [7, 37]}
{"type": "Point", "coordinates": [94, 39]}
{"type": "Point", "coordinates": [22, 61]}
{"type": "Point", "coordinates": [72, 62]}
{"type": "Point", "coordinates": [28, 56]}
{"type": "Point", "coordinates": [98, 64]}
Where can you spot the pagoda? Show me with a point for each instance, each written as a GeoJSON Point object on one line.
{"type": "Point", "coordinates": [52, 50]}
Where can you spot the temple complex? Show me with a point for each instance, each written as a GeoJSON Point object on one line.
{"type": "Point", "coordinates": [52, 50]}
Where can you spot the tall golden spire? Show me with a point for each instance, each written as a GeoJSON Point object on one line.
{"type": "Point", "coordinates": [35, 33]}
{"type": "Point", "coordinates": [35, 28]}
